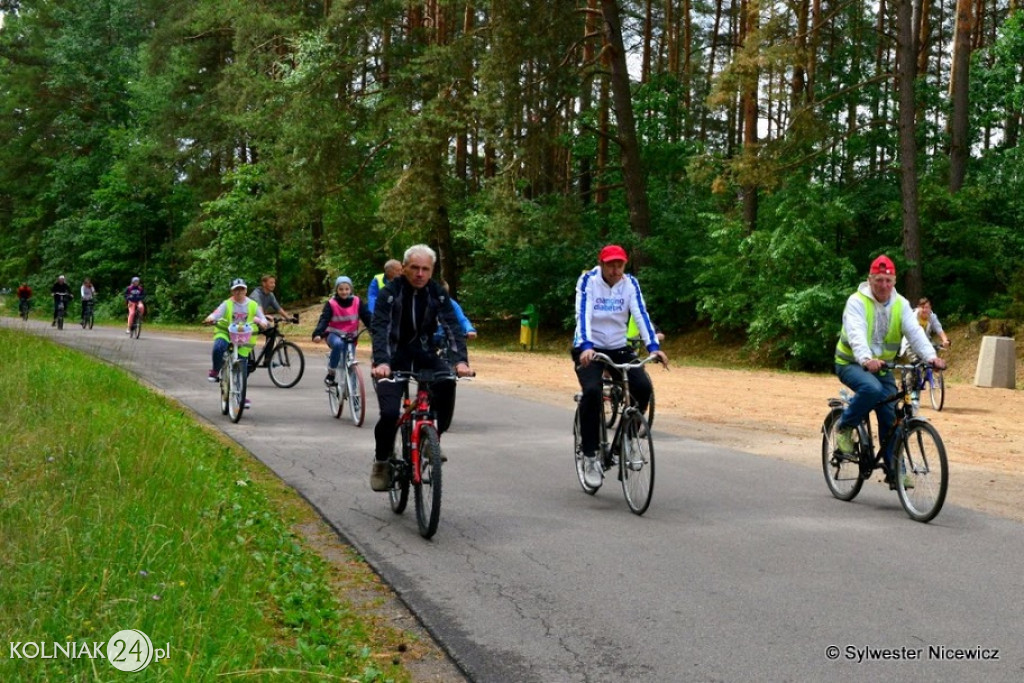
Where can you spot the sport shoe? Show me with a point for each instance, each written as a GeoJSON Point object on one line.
{"type": "Point", "coordinates": [329, 379]}
{"type": "Point", "coordinates": [592, 474]}
{"type": "Point", "coordinates": [248, 404]}
{"type": "Point", "coordinates": [212, 376]}
{"type": "Point", "coordinates": [844, 441]}
{"type": "Point", "coordinates": [380, 476]}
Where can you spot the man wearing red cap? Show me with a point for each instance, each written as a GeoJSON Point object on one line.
{"type": "Point", "coordinates": [875, 321]}
{"type": "Point", "coordinates": [605, 298]}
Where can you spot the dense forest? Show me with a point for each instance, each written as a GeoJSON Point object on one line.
{"type": "Point", "coordinates": [752, 156]}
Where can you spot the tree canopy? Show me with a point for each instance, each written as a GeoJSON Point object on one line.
{"type": "Point", "coordinates": [753, 157]}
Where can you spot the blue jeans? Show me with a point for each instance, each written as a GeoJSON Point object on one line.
{"type": "Point", "coordinates": [869, 392]}
{"type": "Point", "coordinates": [219, 347]}
{"type": "Point", "coordinates": [339, 346]}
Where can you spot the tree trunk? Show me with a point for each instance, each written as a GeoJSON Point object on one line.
{"type": "Point", "coordinates": [959, 150]}
{"type": "Point", "coordinates": [632, 172]}
{"type": "Point", "coordinates": [905, 73]}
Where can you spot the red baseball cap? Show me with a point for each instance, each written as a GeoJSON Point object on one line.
{"type": "Point", "coordinates": [612, 252]}
{"type": "Point", "coordinates": [883, 266]}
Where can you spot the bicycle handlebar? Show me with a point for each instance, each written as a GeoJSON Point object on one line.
{"type": "Point", "coordinates": [398, 376]}
{"type": "Point", "coordinates": [635, 363]}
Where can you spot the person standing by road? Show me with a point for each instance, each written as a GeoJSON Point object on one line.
{"type": "Point", "coordinates": [875, 320]}
{"type": "Point", "coordinates": [606, 297]}
{"type": "Point", "coordinates": [409, 310]}
{"type": "Point", "coordinates": [392, 269]}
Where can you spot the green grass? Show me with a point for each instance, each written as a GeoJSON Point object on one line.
{"type": "Point", "coordinates": [118, 511]}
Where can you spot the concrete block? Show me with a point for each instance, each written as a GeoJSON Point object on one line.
{"type": "Point", "coordinates": [996, 363]}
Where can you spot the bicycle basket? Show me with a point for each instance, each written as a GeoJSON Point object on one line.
{"type": "Point", "coordinates": [240, 336]}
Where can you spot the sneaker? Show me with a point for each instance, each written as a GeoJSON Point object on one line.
{"type": "Point", "coordinates": [380, 476]}
{"type": "Point", "coordinates": [844, 441]}
{"type": "Point", "coordinates": [53, 324]}
{"type": "Point", "coordinates": [248, 404]}
{"type": "Point", "coordinates": [212, 376]}
{"type": "Point", "coordinates": [329, 379]}
{"type": "Point", "coordinates": [592, 474]}
{"type": "Point", "coordinates": [127, 331]}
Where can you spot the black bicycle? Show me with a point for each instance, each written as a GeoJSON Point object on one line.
{"type": "Point", "coordinates": [919, 473]}
{"type": "Point", "coordinates": [24, 305]}
{"type": "Point", "coordinates": [282, 359]}
{"type": "Point", "coordinates": [62, 308]}
{"type": "Point", "coordinates": [88, 306]}
{"type": "Point", "coordinates": [630, 448]}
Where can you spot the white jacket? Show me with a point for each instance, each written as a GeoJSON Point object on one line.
{"type": "Point", "coordinates": [602, 312]}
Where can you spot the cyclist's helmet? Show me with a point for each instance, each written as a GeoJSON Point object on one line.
{"type": "Point", "coordinates": [60, 277]}
{"type": "Point", "coordinates": [238, 283]}
{"type": "Point", "coordinates": [135, 280]}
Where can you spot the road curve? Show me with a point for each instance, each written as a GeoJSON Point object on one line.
{"type": "Point", "coordinates": [743, 569]}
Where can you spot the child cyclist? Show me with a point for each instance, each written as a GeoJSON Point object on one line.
{"type": "Point", "coordinates": [239, 309]}
{"type": "Point", "coordinates": [339, 321]}
{"type": "Point", "coordinates": [133, 296]}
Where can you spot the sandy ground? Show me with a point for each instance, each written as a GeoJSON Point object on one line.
{"type": "Point", "coordinates": [779, 415]}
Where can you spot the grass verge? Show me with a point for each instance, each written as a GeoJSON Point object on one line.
{"type": "Point", "coordinates": [118, 511]}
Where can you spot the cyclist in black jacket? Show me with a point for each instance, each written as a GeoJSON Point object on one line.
{"type": "Point", "coordinates": [60, 289]}
{"type": "Point", "coordinates": [409, 311]}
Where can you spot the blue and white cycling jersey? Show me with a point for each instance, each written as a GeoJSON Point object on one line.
{"type": "Point", "coordinates": [602, 312]}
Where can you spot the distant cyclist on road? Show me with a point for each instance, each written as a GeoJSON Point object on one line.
{"type": "Point", "coordinates": [606, 297]}
{"type": "Point", "coordinates": [88, 292]}
{"type": "Point", "coordinates": [24, 295]}
{"type": "Point", "coordinates": [133, 296]}
{"type": "Point", "coordinates": [875, 320]}
{"type": "Point", "coordinates": [59, 290]}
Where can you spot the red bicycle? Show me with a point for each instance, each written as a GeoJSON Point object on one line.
{"type": "Point", "coordinates": [417, 458]}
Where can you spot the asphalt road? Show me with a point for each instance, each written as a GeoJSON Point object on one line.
{"type": "Point", "coordinates": [743, 569]}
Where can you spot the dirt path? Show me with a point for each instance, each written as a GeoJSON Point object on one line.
{"type": "Point", "coordinates": [779, 415]}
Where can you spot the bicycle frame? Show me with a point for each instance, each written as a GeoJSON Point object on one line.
{"type": "Point", "coordinates": [274, 336]}
{"type": "Point", "coordinates": [417, 412]}
{"type": "Point", "coordinates": [619, 390]}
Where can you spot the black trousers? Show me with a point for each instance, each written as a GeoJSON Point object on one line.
{"type": "Point", "coordinates": [389, 399]}
{"type": "Point", "coordinates": [591, 383]}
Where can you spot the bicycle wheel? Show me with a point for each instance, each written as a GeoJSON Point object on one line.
{"type": "Point", "coordinates": [286, 365]}
{"type": "Point", "coordinates": [137, 328]}
{"type": "Point", "coordinates": [578, 453]}
{"type": "Point", "coordinates": [236, 397]}
{"type": "Point", "coordinates": [937, 389]}
{"type": "Point", "coordinates": [60, 320]}
{"type": "Point", "coordinates": [636, 462]}
{"type": "Point", "coordinates": [611, 403]}
{"type": "Point", "coordinates": [923, 474]}
{"type": "Point", "coordinates": [336, 400]}
{"type": "Point", "coordinates": [90, 320]}
{"type": "Point", "coordinates": [398, 494]}
{"type": "Point", "coordinates": [428, 491]}
{"type": "Point", "coordinates": [356, 395]}
{"type": "Point", "coordinates": [225, 385]}
{"type": "Point", "coordinates": [842, 475]}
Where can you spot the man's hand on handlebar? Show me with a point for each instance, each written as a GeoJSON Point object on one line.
{"type": "Point", "coordinates": [662, 358]}
{"type": "Point", "coordinates": [586, 357]}
{"type": "Point", "coordinates": [463, 370]}
{"type": "Point", "coordinates": [938, 363]}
